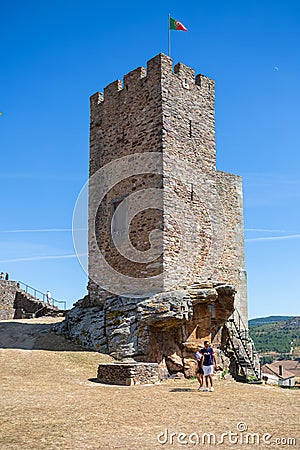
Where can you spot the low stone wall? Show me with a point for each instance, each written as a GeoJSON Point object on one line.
{"type": "Point", "coordinates": [15, 303]}
{"type": "Point", "coordinates": [128, 374]}
{"type": "Point", "coordinates": [8, 290]}
{"type": "Point", "coordinates": [7, 313]}
{"type": "Point", "coordinates": [27, 303]}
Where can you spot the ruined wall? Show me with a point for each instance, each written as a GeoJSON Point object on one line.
{"type": "Point", "coordinates": [15, 303]}
{"type": "Point", "coordinates": [8, 291]}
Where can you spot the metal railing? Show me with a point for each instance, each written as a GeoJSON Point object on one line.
{"type": "Point", "coordinates": [39, 295]}
{"type": "Point", "coordinates": [242, 343]}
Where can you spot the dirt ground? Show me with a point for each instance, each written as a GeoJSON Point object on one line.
{"type": "Point", "coordinates": [49, 400]}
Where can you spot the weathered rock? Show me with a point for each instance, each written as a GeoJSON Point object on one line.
{"type": "Point", "coordinates": [85, 326]}
{"type": "Point", "coordinates": [203, 295]}
{"type": "Point", "coordinates": [166, 309]}
{"type": "Point", "coordinates": [190, 367]}
{"type": "Point", "coordinates": [166, 328]}
{"type": "Point", "coordinates": [174, 363]}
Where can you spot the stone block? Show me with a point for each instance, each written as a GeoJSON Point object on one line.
{"type": "Point", "coordinates": [128, 374]}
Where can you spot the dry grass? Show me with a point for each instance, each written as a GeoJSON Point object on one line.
{"type": "Point", "coordinates": [48, 402]}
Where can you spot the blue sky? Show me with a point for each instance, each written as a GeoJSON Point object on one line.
{"type": "Point", "coordinates": [54, 55]}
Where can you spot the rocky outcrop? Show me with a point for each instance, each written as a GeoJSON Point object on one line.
{"type": "Point", "coordinates": [165, 328]}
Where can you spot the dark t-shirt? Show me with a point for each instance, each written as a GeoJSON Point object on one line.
{"type": "Point", "coordinates": [208, 356]}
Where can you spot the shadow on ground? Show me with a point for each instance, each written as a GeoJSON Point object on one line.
{"type": "Point", "coordinates": [183, 390]}
{"type": "Point", "coordinates": [102, 383]}
{"type": "Point", "coordinates": [33, 336]}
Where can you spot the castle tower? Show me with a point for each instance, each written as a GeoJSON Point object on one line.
{"type": "Point", "coordinates": [160, 215]}
{"type": "Point", "coordinates": [165, 244]}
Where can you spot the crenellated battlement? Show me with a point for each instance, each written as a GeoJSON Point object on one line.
{"type": "Point", "coordinates": [184, 71]}
{"type": "Point", "coordinates": [133, 76]}
{"type": "Point", "coordinates": [158, 69]}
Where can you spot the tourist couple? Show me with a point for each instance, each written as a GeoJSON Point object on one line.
{"type": "Point", "coordinates": [206, 364]}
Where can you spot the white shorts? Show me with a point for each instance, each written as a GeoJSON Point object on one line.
{"type": "Point", "coordinates": [208, 370]}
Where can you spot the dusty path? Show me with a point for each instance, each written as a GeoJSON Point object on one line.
{"type": "Point", "coordinates": [48, 402]}
{"type": "Point", "coordinates": [23, 334]}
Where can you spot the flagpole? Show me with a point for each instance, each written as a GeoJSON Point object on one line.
{"type": "Point", "coordinates": [169, 35]}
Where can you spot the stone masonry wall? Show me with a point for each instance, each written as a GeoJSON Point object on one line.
{"type": "Point", "coordinates": [189, 167]}
{"type": "Point", "coordinates": [8, 291]}
{"type": "Point", "coordinates": [209, 201]}
{"type": "Point", "coordinates": [127, 120]}
{"type": "Point", "coordinates": [232, 263]}
{"type": "Point", "coordinates": [128, 374]}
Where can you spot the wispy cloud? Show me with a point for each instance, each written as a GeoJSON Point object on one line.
{"type": "Point", "coordinates": [43, 176]}
{"type": "Point", "coordinates": [270, 189]}
{"type": "Point", "coordinates": [41, 258]}
{"type": "Point", "coordinates": [266, 230]}
{"type": "Point", "coordinates": [269, 179]}
{"type": "Point", "coordinates": [45, 230]}
{"type": "Point", "coordinates": [274, 238]}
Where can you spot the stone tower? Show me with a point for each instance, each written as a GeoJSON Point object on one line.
{"type": "Point", "coordinates": [166, 249]}
{"type": "Point", "coordinates": [196, 217]}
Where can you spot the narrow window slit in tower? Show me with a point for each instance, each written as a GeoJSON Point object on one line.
{"type": "Point", "coordinates": [190, 128]}
{"type": "Point", "coordinates": [192, 192]}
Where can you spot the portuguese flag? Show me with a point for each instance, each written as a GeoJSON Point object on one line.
{"type": "Point", "coordinates": [176, 25]}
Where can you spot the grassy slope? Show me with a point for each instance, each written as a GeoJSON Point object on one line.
{"type": "Point", "coordinates": [265, 320]}
{"type": "Point", "coordinates": [48, 402]}
{"type": "Point", "coordinates": [276, 336]}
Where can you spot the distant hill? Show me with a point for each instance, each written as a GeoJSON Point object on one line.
{"type": "Point", "coordinates": [276, 336]}
{"type": "Point", "coordinates": [270, 319]}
